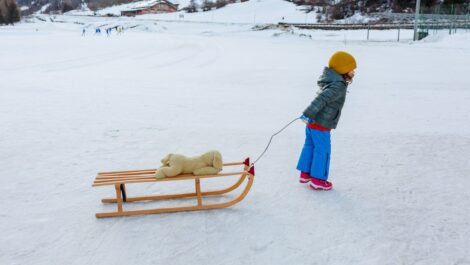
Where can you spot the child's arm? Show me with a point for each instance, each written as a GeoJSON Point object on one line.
{"type": "Point", "coordinates": [305, 119]}
{"type": "Point", "coordinates": [331, 93]}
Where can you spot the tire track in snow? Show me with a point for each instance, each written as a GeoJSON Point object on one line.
{"type": "Point", "coordinates": [193, 52]}
{"type": "Point", "coordinates": [187, 55]}
{"type": "Point", "coordinates": [86, 61]}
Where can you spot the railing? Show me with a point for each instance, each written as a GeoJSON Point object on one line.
{"type": "Point", "coordinates": [381, 26]}
{"type": "Point", "coordinates": [325, 26]}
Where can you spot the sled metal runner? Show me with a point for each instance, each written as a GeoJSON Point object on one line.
{"type": "Point", "coordinates": [119, 179]}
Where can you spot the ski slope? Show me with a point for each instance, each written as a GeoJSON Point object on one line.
{"type": "Point", "coordinates": [71, 106]}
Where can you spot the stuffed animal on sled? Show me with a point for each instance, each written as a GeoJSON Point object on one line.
{"type": "Point", "coordinates": [209, 163]}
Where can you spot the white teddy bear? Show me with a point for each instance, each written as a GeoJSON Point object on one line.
{"type": "Point", "coordinates": [210, 163]}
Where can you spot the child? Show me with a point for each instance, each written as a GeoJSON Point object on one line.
{"type": "Point", "coordinates": [323, 115]}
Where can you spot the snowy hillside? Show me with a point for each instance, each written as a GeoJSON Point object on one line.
{"type": "Point", "coordinates": [259, 11]}
{"type": "Point", "coordinates": [72, 105]}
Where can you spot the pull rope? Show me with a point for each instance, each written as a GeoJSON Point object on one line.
{"type": "Point", "coordinates": [269, 143]}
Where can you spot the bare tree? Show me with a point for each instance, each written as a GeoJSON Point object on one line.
{"type": "Point", "coordinates": [9, 12]}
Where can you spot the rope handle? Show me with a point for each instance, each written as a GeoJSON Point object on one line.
{"type": "Point", "coordinates": [252, 165]}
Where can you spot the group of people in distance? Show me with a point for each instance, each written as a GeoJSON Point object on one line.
{"type": "Point", "coordinates": [118, 29]}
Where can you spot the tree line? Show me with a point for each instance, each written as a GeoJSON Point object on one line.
{"type": "Point", "coordinates": [339, 9]}
{"type": "Point", "coordinates": [9, 12]}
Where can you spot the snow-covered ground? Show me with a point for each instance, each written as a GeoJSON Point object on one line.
{"type": "Point", "coordinates": [71, 106]}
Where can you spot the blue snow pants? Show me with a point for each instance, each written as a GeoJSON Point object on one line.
{"type": "Point", "coordinates": [315, 156]}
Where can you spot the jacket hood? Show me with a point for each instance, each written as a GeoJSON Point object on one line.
{"type": "Point", "coordinates": [329, 76]}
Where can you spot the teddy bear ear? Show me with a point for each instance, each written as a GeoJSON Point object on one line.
{"type": "Point", "coordinates": [166, 159]}
{"type": "Point", "coordinates": [217, 162]}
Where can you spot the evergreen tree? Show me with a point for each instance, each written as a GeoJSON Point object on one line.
{"type": "Point", "coordinates": [12, 14]}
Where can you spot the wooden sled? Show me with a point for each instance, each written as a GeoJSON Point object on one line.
{"type": "Point", "coordinates": [119, 179]}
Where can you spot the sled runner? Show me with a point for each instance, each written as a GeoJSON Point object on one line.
{"type": "Point", "coordinates": [119, 179]}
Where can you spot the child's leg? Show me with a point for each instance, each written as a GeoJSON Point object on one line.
{"type": "Point", "coordinates": [306, 157]}
{"type": "Point", "coordinates": [320, 166]}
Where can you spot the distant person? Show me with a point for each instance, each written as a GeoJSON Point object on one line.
{"type": "Point", "coordinates": [83, 32]}
{"type": "Point", "coordinates": [98, 31]}
{"type": "Point", "coordinates": [321, 117]}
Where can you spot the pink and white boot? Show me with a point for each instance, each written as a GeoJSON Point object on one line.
{"type": "Point", "coordinates": [304, 177]}
{"type": "Point", "coordinates": [319, 184]}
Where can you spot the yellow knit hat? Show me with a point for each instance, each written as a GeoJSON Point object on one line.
{"type": "Point", "coordinates": [342, 62]}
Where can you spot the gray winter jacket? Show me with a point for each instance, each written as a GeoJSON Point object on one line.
{"type": "Point", "coordinates": [325, 109]}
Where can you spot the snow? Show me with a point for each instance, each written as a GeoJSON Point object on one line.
{"type": "Point", "coordinates": [71, 106]}
{"type": "Point", "coordinates": [356, 18]}
{"type": "Point", "coordinates": [254, 11]}
{"type": "Point", "coordinates": [44, 8]}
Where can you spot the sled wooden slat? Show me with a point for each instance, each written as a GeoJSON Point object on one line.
{"type": "Point", "coordinates": [124, 177]}
{"type": "Point", "coordinates": [127, 172]}
{"type": "Point", "coordinates": [119, 179]}
{"type": "Point", "coordinates": [147, 171]}
{"type": "Point", "coordinates": [151, 178]}
{"type": "Point", "coordinates": [101, 177]}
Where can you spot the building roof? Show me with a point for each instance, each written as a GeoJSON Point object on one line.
{"type": "Point", "coordinates": [142, 6]}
